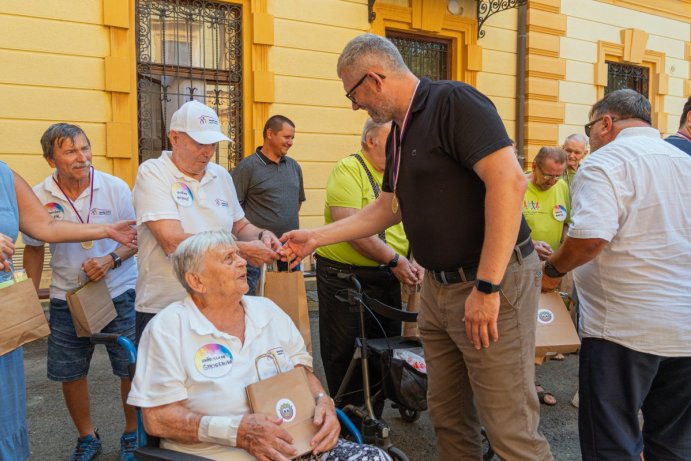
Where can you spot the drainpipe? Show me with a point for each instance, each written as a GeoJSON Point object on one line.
{"type": "Point", "coordinates": [521, 51]}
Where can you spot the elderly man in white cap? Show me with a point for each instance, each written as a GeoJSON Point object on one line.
{"type": "Point", "coordinates": [180, 194]}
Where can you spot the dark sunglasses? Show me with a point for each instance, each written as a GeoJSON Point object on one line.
{"type": "Point", "coordinates": [349, 94]}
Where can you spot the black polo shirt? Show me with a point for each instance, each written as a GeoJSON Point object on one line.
{"type": "Point", "coordinates": [451, 126]}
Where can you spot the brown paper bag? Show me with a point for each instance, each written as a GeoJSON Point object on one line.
{"type": "Point", "coordinates": [21, 316]}
{"type": "Point", "coordinates": [91, 307]}
{"type": "Point", "coordinates": [287, 289]}
{"type": "Point", "coordinates": [288, 396]}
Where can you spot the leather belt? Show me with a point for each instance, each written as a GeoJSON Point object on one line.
{"type": "Point", "coordinates": [468, 274]}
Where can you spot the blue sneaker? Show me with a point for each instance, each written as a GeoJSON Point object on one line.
{"type": "Point", "coordinates": [88, 447]}
{"type": "Point", "coordinates": [128, 443]}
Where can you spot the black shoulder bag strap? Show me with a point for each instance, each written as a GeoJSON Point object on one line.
{"type": "Point", "coordinates": [375, 187]}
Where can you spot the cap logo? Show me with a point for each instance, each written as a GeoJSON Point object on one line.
{"type": "Point", "coordinates": [204, 119]}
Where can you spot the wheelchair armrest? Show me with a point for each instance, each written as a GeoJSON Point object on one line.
{"type": "Point", "coordinates": [163, 454]}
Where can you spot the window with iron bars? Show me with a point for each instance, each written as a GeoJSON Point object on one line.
{"type": "Point", "coordinates": [426, 57]}
{"type": "Point", "coordinates": [621, 76]}
{"type": "Point", "coordinates": [188, 49]}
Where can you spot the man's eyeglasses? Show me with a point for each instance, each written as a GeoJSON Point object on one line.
{"type": "Point", "coordinates": [349, 94]}
{"type": "Point", "coordinates": [548, 177]}
{"type": "Point", "coordinates": [588, 126]}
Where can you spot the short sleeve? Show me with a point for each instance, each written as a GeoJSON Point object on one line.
{"type": "Point", "coordinates": [32, 242]}
{"type": "Point", "coordinates": [344, 187]}
{"type": "Point", "coordinates": [595, 212]}
{"type": "Point", "coordinates": [125, 203]}
{"type": "Point", "coordinates": [241, 180]}
{"type": "Point", "coordinates": [301, 192]}
{"type": "Point", "coordinates": [153, 200]}
{"type": "Point", "coordinates": [475, 129]}
{"type": "Point", "coordinates": [160, 376]}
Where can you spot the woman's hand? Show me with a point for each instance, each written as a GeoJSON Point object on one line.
{"type": "Point", "coordinates": [6, 252]}
{"type": "Point", "coordinates": [123, 232]}
{"type": "Point", "coordinates": [265, 439]}
{"type": "Point", "coordinates": [325, 417]}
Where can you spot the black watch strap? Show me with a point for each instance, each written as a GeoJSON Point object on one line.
{"type": "Point", "coordinates": [117, 260]}
{"type": "Point", "coordinates": [394, 261]}
{"type": "Point", "coordinates": [552, 271]}
{"type": "Point", "coordinates": [483, 286]}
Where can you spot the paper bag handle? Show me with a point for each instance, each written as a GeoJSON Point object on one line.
{"type": "Point", "coordinates": [272, 357]}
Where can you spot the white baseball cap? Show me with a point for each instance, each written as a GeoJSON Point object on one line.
{"type": "Point", "coordinates": [199, 122]}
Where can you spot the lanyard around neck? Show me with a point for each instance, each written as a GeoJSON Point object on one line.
{"type": "Point", "coordinates": [397, 144]}
{"type": "Point", "coordinates": [91, 196]}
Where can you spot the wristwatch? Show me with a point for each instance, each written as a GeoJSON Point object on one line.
{"type": "Point", "coordinates": [394, 261]}
{"type": "Point", "coordinates": [551, 271]}
{"type": "Point", "coordinates": [117, 260]}
{"type": "Point", "coordinates": [483, 286]}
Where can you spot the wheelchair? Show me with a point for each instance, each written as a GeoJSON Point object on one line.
{"type": "Point", "coordinates": [148, 446]}
{"type": "Point", "coordinates": [398, 361]}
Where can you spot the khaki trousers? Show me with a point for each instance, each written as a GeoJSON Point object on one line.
{"type": "Point", "coordinates": [493, 387]}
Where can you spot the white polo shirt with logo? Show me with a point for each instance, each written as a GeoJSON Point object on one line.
{"type": "Point", "coordinates": [112, 202]}
{"type": "Point", "coordinates": [184, 357]}
{"type": "Point", "coordinates": [161, 191]}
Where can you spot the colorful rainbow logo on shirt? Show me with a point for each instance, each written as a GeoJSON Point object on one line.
{"type": "Point", "coordinates": [213, 360]}
{"type": "Point", "coordinates": [55, 210]}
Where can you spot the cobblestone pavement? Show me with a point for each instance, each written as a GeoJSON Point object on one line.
{"type": "Point", "coordinates": [53, 435]}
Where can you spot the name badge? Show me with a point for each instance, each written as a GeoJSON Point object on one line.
{"type": "Point", "coordinates": [55, 210]}
{"type": "Point", "coordinates": [559, 213]}
{"type": "Point", "coordinates": [213, 360]}
{"type": "Point", "coordinates": [182, 194]}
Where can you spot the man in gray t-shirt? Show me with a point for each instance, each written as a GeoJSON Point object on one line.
{"type": "Point", "coordinates": [269, 185]}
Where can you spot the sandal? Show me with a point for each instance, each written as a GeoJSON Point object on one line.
{"type": "Point", "coordinates": [545, 397]}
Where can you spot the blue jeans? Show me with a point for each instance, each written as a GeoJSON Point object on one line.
{"type": "Point", "coordinates": [69, 356]}
{"type": "Point", "coordinates": [616, 382]}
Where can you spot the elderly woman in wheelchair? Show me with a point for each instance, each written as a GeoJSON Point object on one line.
{"type": "Point", "coordinates": [197, 356]}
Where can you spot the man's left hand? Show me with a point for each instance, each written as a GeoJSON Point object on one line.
{"type": "Point", "coordinates": [325, 416]}
{"type": "Point", "coordinates": [481, 312]}
{"type": "Point", "coordinates": [97, 268]}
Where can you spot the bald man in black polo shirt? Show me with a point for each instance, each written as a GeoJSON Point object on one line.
{"type": "Point", "coordinates": [452, 177]}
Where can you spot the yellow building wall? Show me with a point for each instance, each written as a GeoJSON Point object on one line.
{"type": "Point", "coordinates": [590, 22]}
{"type": "Point", "coordinates": [308, 38]}
{"type": "Point", "coordinates": [52, 55]}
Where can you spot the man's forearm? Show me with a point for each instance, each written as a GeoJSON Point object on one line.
{"type": "Point", "coordinates": [33, 263]}
{"type": "Point", "coordinates": [576, 252]}
{"type": "Point", "coordinates": [371, 220]}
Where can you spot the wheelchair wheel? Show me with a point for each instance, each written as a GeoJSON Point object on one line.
{"type": "Point", "coordinates": [409, 416]}
{"type": "Point", "coordinates": [397, 454]}
{"type": "Point", "coordinates": [487, 451]}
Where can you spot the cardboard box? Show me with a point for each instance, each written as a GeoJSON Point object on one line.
{"type": "Point", "coordinates": [555, 331]}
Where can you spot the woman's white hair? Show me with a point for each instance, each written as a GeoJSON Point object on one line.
{"type": "Point", "coordinates": [190, 253]}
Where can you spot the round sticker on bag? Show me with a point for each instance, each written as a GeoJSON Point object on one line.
{"type": "Point", "coordinates": [213, 360]}
{"type": "Point", "coordinates": [545, 316]}
{"type": "Point", "coordinates": [559, 212]}
{"type": "Point", "coordinates": [285, 409]}
{"type": "Point", "coordinates": [182, 194]}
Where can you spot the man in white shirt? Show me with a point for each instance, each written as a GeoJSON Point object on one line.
{"type": "Point", "coordinates": [630, 245]}
{"type": "Point", "coordinates": [77, 192]}
{"type": "Point", "coordinates": [180, 194]}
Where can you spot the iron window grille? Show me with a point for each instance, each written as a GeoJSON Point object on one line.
{"type": "Point", "coordinates": [621, 76]}
{"type": "Point", "coordinates": [426, 57]}
{"type": "Point", "coordinates": [188, 49]}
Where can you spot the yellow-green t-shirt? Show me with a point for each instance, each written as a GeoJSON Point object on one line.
{"type": "Point", "coordinates": [349, 187]}
{"type": "Point", "coordinates": [547, 211]}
